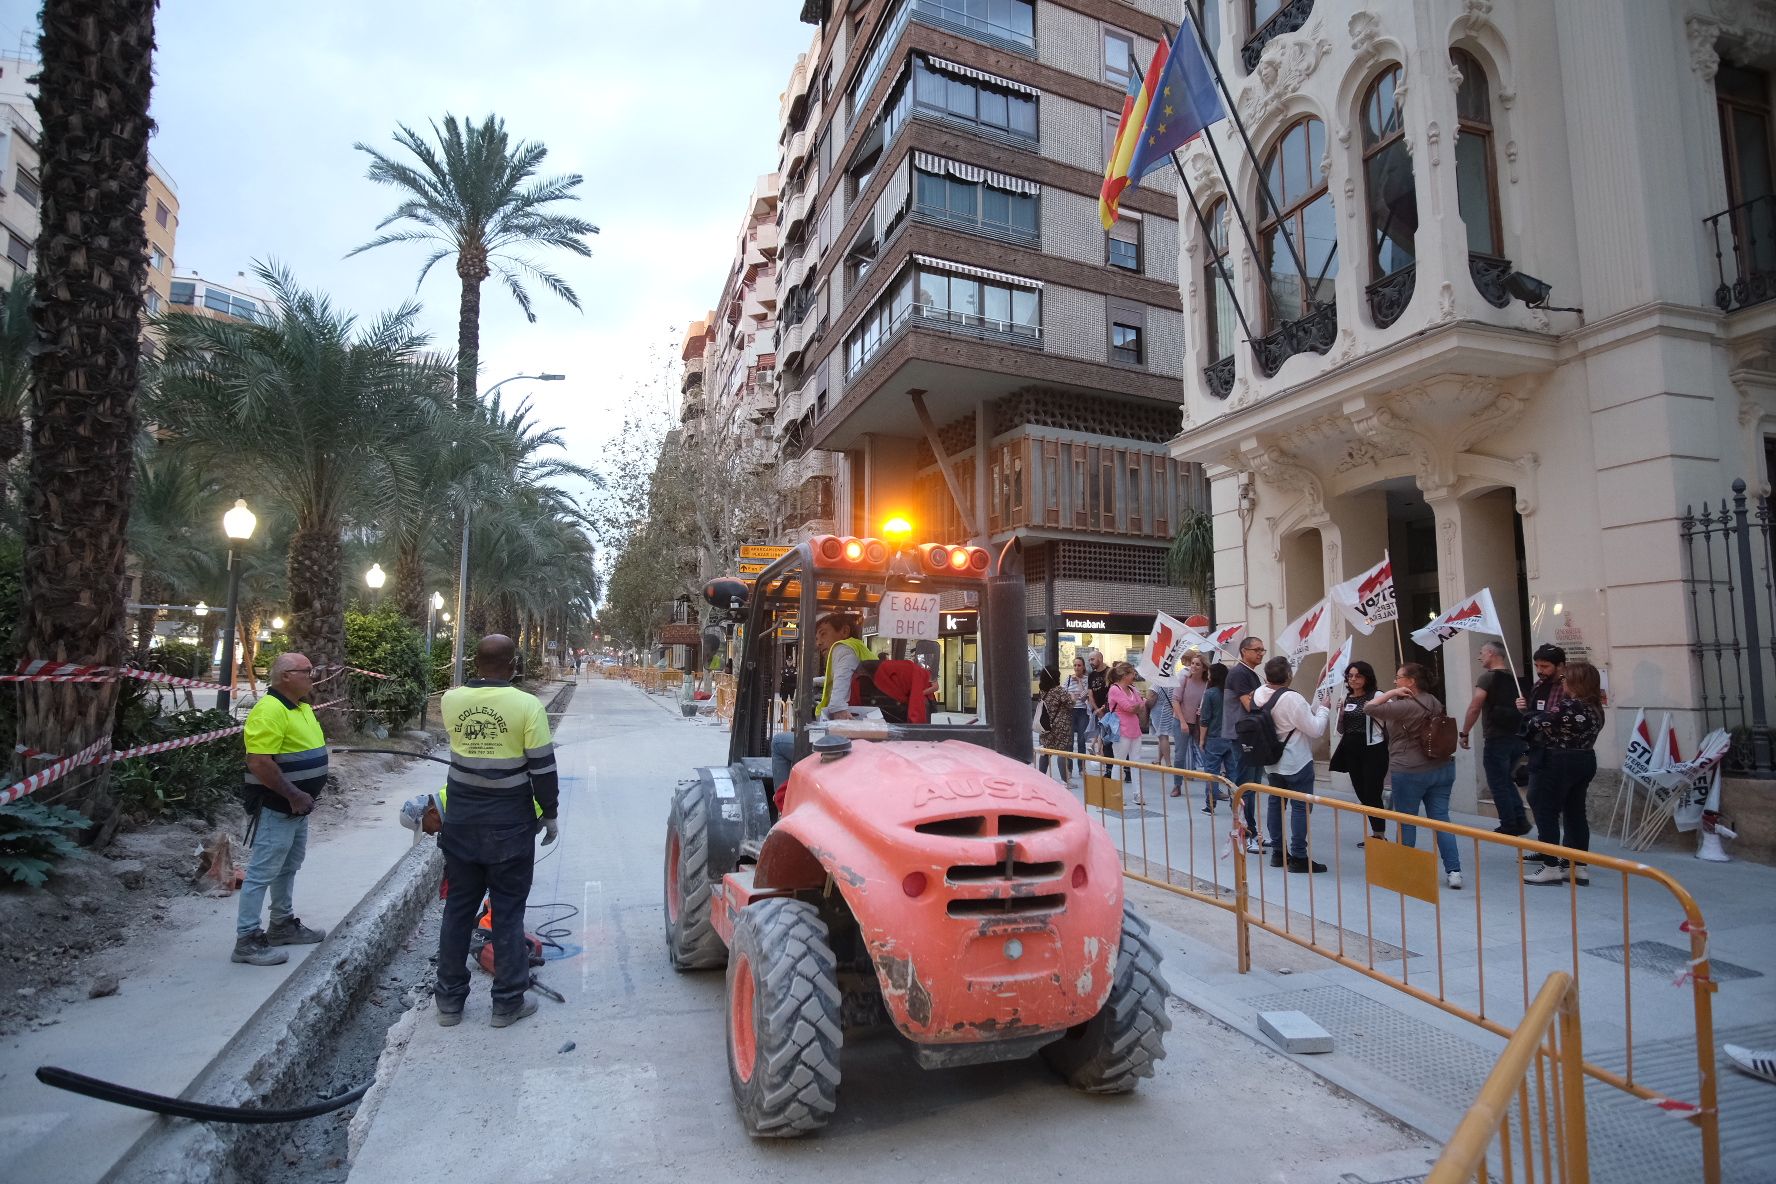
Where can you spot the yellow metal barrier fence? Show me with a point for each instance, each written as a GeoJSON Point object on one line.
{"type": "Point", "coordinates": [1545, 1061]}
{"type": "Point", "coordinates": [1319, 913]}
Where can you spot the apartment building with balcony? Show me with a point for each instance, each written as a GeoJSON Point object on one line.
{"type": "Point", "coordinates": [21, 194]}
{"type": "Point", "coordinates": [1456, 176]}
{"type": "Point", "coordinates": [238, 299]}
{"type": "Point", "coordinates": [738, 365]}
{"type": "Point", "coordinates": [951, 301]}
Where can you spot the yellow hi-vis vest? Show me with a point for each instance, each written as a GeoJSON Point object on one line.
{"type": "Point", "coordinates": [863, 653]}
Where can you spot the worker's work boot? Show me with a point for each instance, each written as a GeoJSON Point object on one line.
{"type": "Point", "coordinates": [505, 1019]}
{"type": "Point", "coordinates": [448, 1018]}
{"type": "Point", "coordinates": [254, 950]}
{"type": "Point", "coordinates": [292, 932]}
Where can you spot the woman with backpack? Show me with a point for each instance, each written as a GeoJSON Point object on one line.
{"type": "Point", "coordinates": [1566, 734]}
{"type": "Point", "coordinates": [1362, 743]}
{"type": "Point", "coordinates": [1054, 719]}
{"type": "Point", "coordinates": [1421, 758]}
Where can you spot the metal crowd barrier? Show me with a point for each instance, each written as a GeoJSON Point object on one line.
{"type": "Point", "coordinates": [1322, 914]}
{"type": "Point", "coordinates": [1544, 1064]}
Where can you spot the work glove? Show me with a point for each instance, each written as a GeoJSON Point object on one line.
{"type": "Point", "coordinates": [550, 829]}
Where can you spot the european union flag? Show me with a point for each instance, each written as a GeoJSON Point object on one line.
{"type": "Point", "coordinates": [1185, 103]}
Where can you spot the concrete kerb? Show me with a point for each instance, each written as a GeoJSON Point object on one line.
{"type": "Point", "coordinates": [267, 1059]}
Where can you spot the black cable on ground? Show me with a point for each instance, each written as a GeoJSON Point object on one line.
{"type": "Point", "coordinates": [123, 1095]}
{"type": "Point", "coordinates": [424, 756]}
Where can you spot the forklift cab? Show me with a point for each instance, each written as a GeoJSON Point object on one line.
{"type": "Point", "coordinates": [830, 574]}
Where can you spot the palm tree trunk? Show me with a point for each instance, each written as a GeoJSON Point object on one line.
{"type": "Point", "coordinates": [471, 268]}
{"type": "Point", "coordinates": [317, 604]}
{"type": "Point", "coordinates": [409, 592]}
{"type": "Point", "coordinates": [92, 262]}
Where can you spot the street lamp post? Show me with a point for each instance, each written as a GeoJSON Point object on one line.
{"type": "Point", "coordinates": [432, 607]}
{"type": "Point", "coordinates": [238, 525]}
{"type": "Point", "coordinates": [374, 579]}
{"type": "Point", "coordinates": [462, 567]}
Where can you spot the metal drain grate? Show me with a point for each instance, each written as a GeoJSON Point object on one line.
{"type": "Point", "coordinates": [1424, 1062]}
{"type": "Point", "coordinates": [1663, 958]}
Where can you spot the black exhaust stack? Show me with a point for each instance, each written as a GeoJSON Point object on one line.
{"type": "Point", "coordinates": [1004, 637]}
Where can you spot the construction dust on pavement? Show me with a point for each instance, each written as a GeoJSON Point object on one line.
{"type": "Point", "coordinates": [642, 1093]}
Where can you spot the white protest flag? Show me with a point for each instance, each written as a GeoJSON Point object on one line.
{"type": "Point", "coordinates": [1332, 677]}
{"type": "Point", "coordinates": [1167, 644]}
{"type": "Point", "coordinates": [1310, 633]}
{"type": "Point", "coordinates": [1664, 746]}
{"type": "Point", "coordinates": [1473, 614]}
{"type": "Point", "coordinates": [1368, 600]}
{"type": "Point", "coordinates": [1226, 638]}
{"type": "Point", "coordinates": [1637, 758]}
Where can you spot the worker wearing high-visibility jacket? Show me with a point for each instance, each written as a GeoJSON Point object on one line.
{"type": "Point", "coordinates": [502, 789]}
{"type": "Point", "coordinates": [835, 637]}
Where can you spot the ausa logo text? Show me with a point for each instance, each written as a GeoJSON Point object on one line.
{"type": "Point", "coordinates": [967, 788]}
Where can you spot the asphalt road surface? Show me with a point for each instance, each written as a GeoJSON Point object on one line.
{"type": "Point", "coordinates": [643, 1095]}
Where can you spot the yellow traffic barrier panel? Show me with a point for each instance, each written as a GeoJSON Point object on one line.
{"type": "Point", "coordinates": [1543, 1063]}
{"type": "Point", "coordinates": [1371, 924]}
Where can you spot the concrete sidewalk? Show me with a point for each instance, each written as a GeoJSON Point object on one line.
{"type": "Point", "coordinates": [1424, 1066]}
{"type": "Point", "coordinates": [181, 1002]}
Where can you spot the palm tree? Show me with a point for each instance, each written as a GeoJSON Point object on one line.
{"type": "Point", "coordinates": [15, 368]}
{"type": "Point", "coordinates": [173, 503]}
{"type": "Point", "coordinates": [476, 196]}
{"type": "Point", "coordinates": [307, 408]}
{"type": "Point", "coordinates": [92, 263]}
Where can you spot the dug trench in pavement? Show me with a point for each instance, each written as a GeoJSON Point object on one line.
{"type": "Point", "coordinates": [644, 1096]}
{"type": "Point", "coordinates": [181, 1000]}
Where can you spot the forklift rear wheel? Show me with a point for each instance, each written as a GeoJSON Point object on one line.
{"type": "Point", "coordinates": [1124, 1042]}
{"type": "Point", "coordinates": [691, 940]}
{"type": "Point", "coordinates": [784, 1032]}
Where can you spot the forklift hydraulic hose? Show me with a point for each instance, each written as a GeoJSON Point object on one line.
{"type": "Point", "coordinates": [105, 1091]}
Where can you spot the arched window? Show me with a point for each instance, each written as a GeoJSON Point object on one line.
{"type": "Point", "coordinates": [1476, 170]}
{"type": "Point", "coordinates": [1387, 178]}
{"type": "Point", "coordinates": [1218, 302]}
{"type": "Point", "coordinates": [1304, 213]}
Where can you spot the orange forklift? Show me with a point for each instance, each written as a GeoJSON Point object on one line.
{"type": "Point", "coordinates": [922, 875]}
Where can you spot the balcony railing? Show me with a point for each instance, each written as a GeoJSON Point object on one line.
{"type": "Point", "coordinates": [1389, 295]}
{"type": "Point", "coordinates": [1286, 19]}
{"type": "Point", "coordinates": [1489, 273]}
{"type": "Point", "coordinates": [963, 323]}
{"type": "Point", "coordinates": [1313, 333]}
{"type": "Point", "coordinates": [1745, 253]}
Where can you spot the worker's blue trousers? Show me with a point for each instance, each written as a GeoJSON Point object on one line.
{"type": "Point", "coordinates": [495, 861]}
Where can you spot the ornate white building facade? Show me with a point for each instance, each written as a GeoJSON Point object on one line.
{"type": "Point", "coordinates": [1432, 156]}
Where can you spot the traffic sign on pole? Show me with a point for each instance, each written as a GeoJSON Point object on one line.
{"type": "Point", "coordinates": [760, 551]}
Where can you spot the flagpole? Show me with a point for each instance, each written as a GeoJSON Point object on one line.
{"type": "Point", "coordinates": [1202, 220]}
{"type": "Point", "coordinates": [1399, 640]}
{"type": "Point", "coordinates": [1240, 125]}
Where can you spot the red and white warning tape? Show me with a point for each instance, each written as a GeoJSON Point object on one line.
{"type": "Point", "coordinates": [335, 671]}
{"type": "Point", "coordinates": [169, 745]}
{"type": "Point", "coordinates": [55, 772]}
{"type": "Point", "coordinates": [37, 671]}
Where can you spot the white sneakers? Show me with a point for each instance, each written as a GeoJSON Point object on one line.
{"type": "Point", "coordinates": [1759, 1062]}
{"type": "Point", "coordinates": [1550, 873]}
{"type": "Point", "coordinates": [1454, 879]}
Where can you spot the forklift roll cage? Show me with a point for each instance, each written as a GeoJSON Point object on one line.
{"type": "Point", "coordinates": [807, 581]}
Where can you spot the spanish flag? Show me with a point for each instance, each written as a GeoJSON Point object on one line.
{"type": "Point", "coordinates": [1128, 134]}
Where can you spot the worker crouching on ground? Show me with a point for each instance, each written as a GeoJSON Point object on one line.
{"type": "Point", "coordinates": [286, 771]}
{"type": "Point", "coordinates": [502, 777]}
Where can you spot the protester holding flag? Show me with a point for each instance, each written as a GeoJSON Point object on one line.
{"type": "Point", "coordinates": [1419, 781]}
{"type": "Point", "coordinates": [1567, 735]}
{"type": "Point", "coordinates": [1362, 751]}
{"type": "Point", "coordinates": [1494, 706]}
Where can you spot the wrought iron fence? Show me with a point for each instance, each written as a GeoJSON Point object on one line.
{"type": "Point", "coordinates": [1744, 253]}
{"type": "Point", "coordinates": [1732, 594]}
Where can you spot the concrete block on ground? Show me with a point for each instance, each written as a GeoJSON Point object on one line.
{"type": "Point", "coordinates": [1294, 1032]}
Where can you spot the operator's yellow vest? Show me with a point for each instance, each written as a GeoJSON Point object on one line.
{"type": "Point", "coordinates": [863, 653]}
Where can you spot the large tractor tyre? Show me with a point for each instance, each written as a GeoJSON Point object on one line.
{"type": "Point", "coordinates": [784, 1033]}
{"type": "Point", "coordinates": [691, 940]}
{"type": "Point", "coordinates": [1125, 1041]}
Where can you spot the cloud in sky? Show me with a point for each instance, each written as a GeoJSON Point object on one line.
{"type": "Point", "coordinates": [668, 109]}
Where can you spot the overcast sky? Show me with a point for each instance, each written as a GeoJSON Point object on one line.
{"type": "Point", "coordinates": [668, 108]}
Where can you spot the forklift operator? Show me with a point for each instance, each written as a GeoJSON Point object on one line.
{"type": "Point", "coordinates": [835, 636]}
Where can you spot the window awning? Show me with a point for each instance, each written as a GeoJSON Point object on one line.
{"type": "Point", "coordinates": [979, 75]}
{"type": "Point", "coordinates": [978, 272]}
{"type": "Point", "coordinates": [970, 172]}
